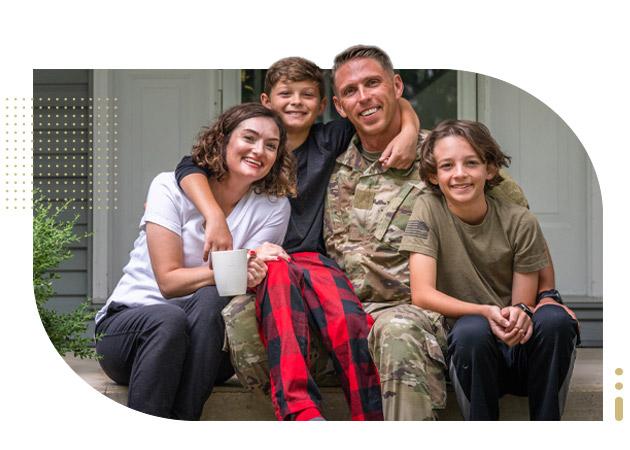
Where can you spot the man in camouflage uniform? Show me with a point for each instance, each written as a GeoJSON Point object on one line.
{"type": "Point", "coordinates": [367, 209]}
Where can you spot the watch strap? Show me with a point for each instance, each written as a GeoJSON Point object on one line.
{"type": "Point", "coordinates": [550, 293]}
{"type": "Point", "coordinates": [525, 308]}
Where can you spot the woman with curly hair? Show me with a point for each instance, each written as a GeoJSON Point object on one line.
{"type": "Point", "coordinates": [162, 325]}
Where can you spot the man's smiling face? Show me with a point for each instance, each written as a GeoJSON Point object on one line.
{"type": "Point", "coordinates": [368, 95]}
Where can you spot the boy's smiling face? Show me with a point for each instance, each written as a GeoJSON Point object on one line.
{"type": "Point", "coordinates": [461, 174]}
{"type": "Point", "coordinates": [297, 102]}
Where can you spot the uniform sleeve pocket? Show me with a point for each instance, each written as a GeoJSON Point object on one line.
{"type": "Point", "coordinates": [387, 222]}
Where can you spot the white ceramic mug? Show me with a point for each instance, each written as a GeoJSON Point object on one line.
{"type": "Point", "coordinates": [230, 272]}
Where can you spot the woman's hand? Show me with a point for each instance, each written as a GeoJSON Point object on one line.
{"type": "Point", "coordinates": [256, 270]}
{"type": "Point", "coordinates": [272, 252]}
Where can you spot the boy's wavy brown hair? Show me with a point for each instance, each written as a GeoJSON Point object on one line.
{"type": "Point", "coordinates": [479, 138]}
{"type": "Point", "coordinates": [208, 151]}
{"type": "Point", "coordinates": [294, 69]}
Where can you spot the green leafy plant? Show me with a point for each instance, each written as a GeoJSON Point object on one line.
{"type": "Point", "coordinates": [51, 237]}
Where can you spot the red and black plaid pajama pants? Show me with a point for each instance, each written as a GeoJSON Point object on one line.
{"type": "Point", "coordinates": [313, 290]}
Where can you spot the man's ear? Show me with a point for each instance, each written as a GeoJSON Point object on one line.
{"type": "Point", "coordinates": [264, 99]}
{"type": "Point", "coordinates": [322, 106]}
{"type": "Point", "coordinates": [339, 108]}
{"type": "Point", "coordinates": [399, 86]}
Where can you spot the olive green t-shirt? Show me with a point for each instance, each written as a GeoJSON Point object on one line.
{"type": "Point", "coordinates": [475, 263]}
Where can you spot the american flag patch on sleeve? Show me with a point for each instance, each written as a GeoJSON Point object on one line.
{"type": "Point", "coordinates": [417, 229]}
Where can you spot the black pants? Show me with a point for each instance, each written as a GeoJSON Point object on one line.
{"type": "Point", "coordinates": [483, 368]}
{"type": "Point", "coordinates": [170, 355]}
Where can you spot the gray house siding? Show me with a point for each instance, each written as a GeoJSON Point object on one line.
{"type": "Point", "coordinates": [61, 168]}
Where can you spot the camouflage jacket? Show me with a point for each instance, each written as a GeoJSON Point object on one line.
{"type": "Point", "coordinates": [366, 213]}
{"type": "Point", "coordinates": [367, 210]}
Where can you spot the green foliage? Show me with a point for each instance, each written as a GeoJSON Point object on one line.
{"type": "Point", "coordinates": [51, 237]}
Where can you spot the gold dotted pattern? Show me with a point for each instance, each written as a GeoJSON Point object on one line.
{"type": "Point", "coordinates": [17, 161]}
{"type": "Point", "coordinates": [73, 150]}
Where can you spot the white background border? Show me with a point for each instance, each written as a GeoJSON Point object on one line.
{"type": "Point", "coordinates": [573, 56]}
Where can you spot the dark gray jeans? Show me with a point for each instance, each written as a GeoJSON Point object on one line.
{"type": "Point", "coordinates": [170, 355]}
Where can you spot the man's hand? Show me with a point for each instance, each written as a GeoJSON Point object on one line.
{"type": "Point", "coordinates": [217, 237]}
{"type": "Point", "coordinates": [400, 153]}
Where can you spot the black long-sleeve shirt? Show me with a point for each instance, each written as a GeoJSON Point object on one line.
{"type": "Point", "coordinates": [315, 162]}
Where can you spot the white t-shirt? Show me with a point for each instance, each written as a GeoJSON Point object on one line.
{"type": "Point", "coordinates": [256, 219]}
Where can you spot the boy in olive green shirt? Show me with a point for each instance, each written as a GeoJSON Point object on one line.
{"type": "Point", "coordinates": [476, 260]}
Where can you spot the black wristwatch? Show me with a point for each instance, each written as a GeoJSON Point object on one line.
{"type": "Point", "coordinates": [551, 293]}
{"type": "Point", "coordinates": [525, 308]}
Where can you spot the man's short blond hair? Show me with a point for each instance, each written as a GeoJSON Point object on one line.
{"type": "Point", "coordinates": [357, 52]}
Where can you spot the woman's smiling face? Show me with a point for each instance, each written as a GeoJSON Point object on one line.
{"type": "Point", "coordinates": [252, 149]}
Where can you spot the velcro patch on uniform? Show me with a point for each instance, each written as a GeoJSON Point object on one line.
{"type": "Point", "coordinates": [363, 199]}
{"type": "Point", "coordinates": [417, 229]}
{"type": "Point", "coordinates": [354, 234]}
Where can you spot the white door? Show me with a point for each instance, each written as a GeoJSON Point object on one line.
{"type": "Point", "coordinates": [159, 113]}
{"type": "Point", "coordinates": [554, 170]}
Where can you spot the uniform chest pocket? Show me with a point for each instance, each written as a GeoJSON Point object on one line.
{"type": "Point", "coordinates": [391, 226]}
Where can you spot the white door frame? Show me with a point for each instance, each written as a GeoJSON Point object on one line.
{"type": "Point", "coordinates": [225, 90]}
{"type": "Point", "coordinates": [466, 95]}
{"type": "Point", "coordinates": [102, 88]}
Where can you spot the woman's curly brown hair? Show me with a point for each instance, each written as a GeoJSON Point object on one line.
{"type": "Point", "coordinates": [479, 138]}
{"type": "Point", "coordinates": [208, 151]}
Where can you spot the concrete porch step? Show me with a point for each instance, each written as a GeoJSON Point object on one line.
{"type": "Point", "coordinates": [230, 401]}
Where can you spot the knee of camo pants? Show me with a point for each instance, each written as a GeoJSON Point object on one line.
{"type": "Point", "coordinates": [408, 345]}
{"type": "Point", "coordinates": [247, 351]}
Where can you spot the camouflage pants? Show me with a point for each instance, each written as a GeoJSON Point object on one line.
{"type": "Point", "coordinates": [406, 343]}
{"type": "Point", "coordinates": [248, 353]}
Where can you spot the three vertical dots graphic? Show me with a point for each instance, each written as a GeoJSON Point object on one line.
{"type": "Point", "coordinates": [618, 400]}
